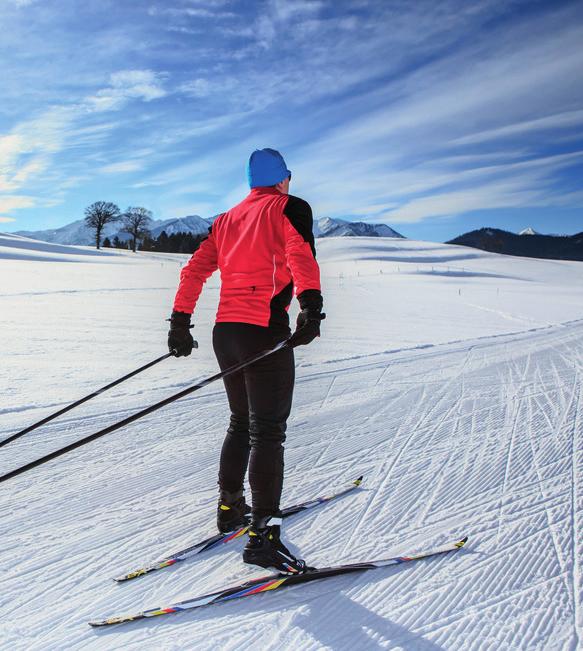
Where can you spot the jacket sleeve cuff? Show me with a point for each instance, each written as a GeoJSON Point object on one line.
{"type": "Point", "coordinates": [179, 319]}
{"type": "Point", "coordinates": [311, 299]}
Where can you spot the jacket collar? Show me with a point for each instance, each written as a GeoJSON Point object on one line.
{"type": "Point", "coordinates": [263, 190]}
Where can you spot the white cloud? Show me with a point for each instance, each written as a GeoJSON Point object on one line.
{"type": "Point", "coordinates": [493, 195]}
{"type": "Point", "coordinates": [196, 88]}
{"type": "Point", "coordinates": [425, 136]}
{"type": "Point", "coordinates": [6, 220]}
{"type": "Point", "coordinates": [285, 10]}
{"type": "Point", "coordinates": [122, 167]}
{"type": "Point", "coordinates": [27, 152]}
{"type": "Point", "coordinates": [279, 14]}
{"type": "Point", "coordinates": [190, 12]}
{"type": "Point", "coordinates": [8, 203]}
{"type": "Point", "coordinates": [126, 85]}
{"type": "Point", "coordinates": [551, 122]}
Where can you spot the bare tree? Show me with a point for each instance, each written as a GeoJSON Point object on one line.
{"type": "Point", "coordinates": [98, 214]}
{"type": "Point", "coordinates": [136, 222]}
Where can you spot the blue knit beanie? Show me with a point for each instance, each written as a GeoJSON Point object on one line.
{"type": "Point", "coordinates": [266, 167]}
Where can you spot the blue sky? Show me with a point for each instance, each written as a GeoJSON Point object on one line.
{"type": "Point", "coordinates": [434, 117]}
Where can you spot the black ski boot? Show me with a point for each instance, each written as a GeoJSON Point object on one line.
{"type": "Point", "coordinates": [265, 548]}
{"type": "Point", "coordinates": [232, 511]}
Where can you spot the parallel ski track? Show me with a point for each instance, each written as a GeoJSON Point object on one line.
{"type": "Point", "coordinates": [497, 427]}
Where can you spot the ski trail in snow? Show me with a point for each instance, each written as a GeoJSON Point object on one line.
{"type": "Point", "coordinates": [576, 509]}
{"type": "Point", "coordinates": [486, 436]}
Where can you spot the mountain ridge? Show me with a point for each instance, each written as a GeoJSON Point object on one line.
{"type": "Point", "coordinates": [77, 233]}
{"type": "Point", "coordinates": [550, 247]}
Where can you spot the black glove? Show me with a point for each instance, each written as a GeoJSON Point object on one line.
{"type": "Point", "coordinates": [180, 341]}
{"type": "Point", "coordinates": [308, 322]}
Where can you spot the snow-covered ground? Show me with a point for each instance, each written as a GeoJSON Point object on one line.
{"type": "Point", "coordinates": [451, 378]}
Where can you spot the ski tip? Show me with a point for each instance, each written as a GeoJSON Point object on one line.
{"type": "Point", "coordinates": [131, 575]}
{"type": "Point", "coordinates": [120, 619]}
{"type": "Point", "coordinates": [358, 482]}
{"type": "Point", "coordinates": [462, 542]}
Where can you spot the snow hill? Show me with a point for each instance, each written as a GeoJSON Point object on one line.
{"type": "Point", "coordinates": [529, 231]}
{"type": "Point", "coordinates": [451, 378]}
{"type": "Point", "coordinates": [17, 247]}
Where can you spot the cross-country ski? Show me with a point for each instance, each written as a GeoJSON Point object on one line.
{"type": "Point", "coordinates": [273, 582]}
{"type": "Point", "coordinates": [222, 538]}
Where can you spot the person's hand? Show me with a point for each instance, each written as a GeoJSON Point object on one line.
{"type": "Point", "coordinates": [307, 327]}
{"type": "Point", "coordinates": [308, 322]}
{"type": "Point", "coordinates": [180, 341]}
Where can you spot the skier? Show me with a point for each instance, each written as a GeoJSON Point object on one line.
{"type": "Point", "coordinates": [264, 246]}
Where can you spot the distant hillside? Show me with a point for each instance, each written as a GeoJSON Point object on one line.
{"type": "Point", "coordinates": [77, 233]}
{"type": "Point", "coordinates": [527, 244]}
{"type": "Point", "coordinates": [190, 224]}
{"type": "Point", "coordinates": [328, 227]}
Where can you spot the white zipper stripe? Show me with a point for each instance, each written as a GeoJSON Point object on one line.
{"type": "Point", "coordinates": [274, 269]}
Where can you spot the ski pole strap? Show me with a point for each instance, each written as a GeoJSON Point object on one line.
{"type": "Point", "coordinates": [144, 412]}
{"type": "Point", "coordinates": [64, 410]}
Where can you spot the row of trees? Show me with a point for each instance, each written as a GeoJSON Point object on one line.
{"type": "Point", "coordinates": [134, 221]}
{"type": "Point", "coordinates": [164, 243]}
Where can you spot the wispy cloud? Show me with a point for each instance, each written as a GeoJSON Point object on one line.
{"type": "Point", "coordinates": [21, 3]}
{"type": "Point", "coordinates": [190, 12]}
{"type": "Point", "coordinates": [6, 220]}
{"type": "Point", "coordinates": [410, 111]}
{"type": "Point", "coordinates": [28, 151]}
{"type": "Point", "coordinates": [8, 203]}
{"type": "Point", "coordinates": [122, 167]}
{"type": "Point", "coordinates": [126, 85]}
{"type": "Point", "coordinates": [549, 123]}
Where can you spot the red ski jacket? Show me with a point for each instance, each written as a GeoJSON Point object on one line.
{"type": "Point", "coordinates": [264, 246]}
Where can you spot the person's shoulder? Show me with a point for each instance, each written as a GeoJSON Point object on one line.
{"type": "Point", "coordinates": [297, 206]}
{"type": "Point", "coordinates": [216, 222]}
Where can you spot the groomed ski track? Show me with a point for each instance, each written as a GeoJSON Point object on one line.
{"type": "Point", "coordinates": [480, 437]}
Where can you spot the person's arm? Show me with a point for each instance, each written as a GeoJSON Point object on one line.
{"type": "Point", "coordinates": [194, 274]}
{"type": "Point", "coordinates": [300, 250]}
{"type": "Point", "coordinates": [192, 277]}
{"type": "Point", "coordinates": [300, 254]}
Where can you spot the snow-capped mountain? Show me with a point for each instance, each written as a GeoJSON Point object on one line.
{"type": "Point", "coordinates": [75, 233]}
{"type": "Point", "coordinates": [79, 234]}
{"type": "Point", "coordinates": [329, 227]}
{"type": "Point", "coordinates": [189, 224]}
{"type": "Point", "coordinates": [529, 231]}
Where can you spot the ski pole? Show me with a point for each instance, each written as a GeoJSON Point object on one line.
{"type": "Point", "coordinates": [13, 437]}
{"type": "Point", "coordinates": [144, 412]}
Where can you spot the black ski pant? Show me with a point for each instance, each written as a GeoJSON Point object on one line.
{"type": "Point", "coordinates": [260, 399]}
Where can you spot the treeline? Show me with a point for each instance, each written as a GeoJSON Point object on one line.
{"type": "Point", "coordinates": [135, 221]}
{"type": "Point", "coordinates": [164, 243]}
{"type": "Point", "coordinates": [552, 247]}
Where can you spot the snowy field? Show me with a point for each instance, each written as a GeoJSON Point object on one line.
{"type": "Point", "coordinates": [449, 377]}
